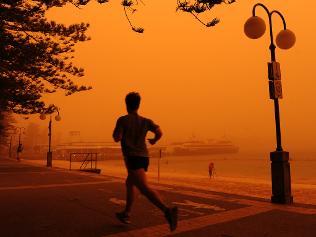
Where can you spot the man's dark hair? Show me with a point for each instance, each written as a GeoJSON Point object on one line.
{"type": "Point", "coordinates": [132, 101]}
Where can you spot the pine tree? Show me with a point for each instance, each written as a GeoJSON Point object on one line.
{"type": "Point", "coordinates": [6, 128]}
{"type": "Point", "coordinates": [35, 55]}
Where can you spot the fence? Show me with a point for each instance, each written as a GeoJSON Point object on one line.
{"type": "Point", "coordinates": [85, 158]}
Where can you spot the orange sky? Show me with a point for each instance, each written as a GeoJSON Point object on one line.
{"type": "Point", "coordinates": [193, 80]}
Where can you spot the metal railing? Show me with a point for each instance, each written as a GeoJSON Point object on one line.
{"type": "Point", "coordinates": [86, 158]}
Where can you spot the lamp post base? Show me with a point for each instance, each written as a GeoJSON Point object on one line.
{"type": "Point", "coordinates": [49, 158]}
{"type": "Point", "coordinates": [281, 178]}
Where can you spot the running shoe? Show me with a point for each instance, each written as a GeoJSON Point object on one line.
{"type": "Point", "coordinates": [123, 217]}
{"type": "Point", "coordinates": [171, 215]}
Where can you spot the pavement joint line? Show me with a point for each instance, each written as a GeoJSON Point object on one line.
{"type": "Point", "coordinates": [25, 172]}
{"type": "Point", "coordinates": [301, 210]}
{"type": "Point", "coordinates": [53, 185]}
{"type": "Point", "coordinates": [281, 207]}
{"type": "Point", "coordinates": [194, 223]}
{"type": "Point", "coordinates": [181, 209]}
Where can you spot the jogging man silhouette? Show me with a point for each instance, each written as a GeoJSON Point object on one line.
{"type": "Point", "coordinates": [131, 131]}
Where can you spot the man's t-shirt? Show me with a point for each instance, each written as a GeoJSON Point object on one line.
{"type": "Point", "coordinates": [134, 129]}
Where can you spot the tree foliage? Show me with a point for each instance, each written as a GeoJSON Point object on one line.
{"type": "Point", "coordinates": [129, 5]}
{"type": "Point", "coordinates": [36, 55]}
{"type": "Point", "coordinates": [6, 127]}
{"type": "Point", "coordinates": [196, 7]}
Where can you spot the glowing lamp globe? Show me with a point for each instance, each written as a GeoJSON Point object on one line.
{"type": "Point", "coordinates": [42, 116]}
{"type": "Point", "coordinates": [57, 118]}
{"type": "Point", "coordinates": [255, 27]}
{"type": "Point", "coordinates": [285, 39]}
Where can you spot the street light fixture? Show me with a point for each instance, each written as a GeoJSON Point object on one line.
{"type": "Point", "coordinates": [50, 153]}
{"type": "Point", "coordinates": [254, 28]}
{"type": "Point", "coordinates": [20, 147]}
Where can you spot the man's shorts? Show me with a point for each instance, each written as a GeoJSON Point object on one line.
{"type": "Point", "coordinates": [136, 162]}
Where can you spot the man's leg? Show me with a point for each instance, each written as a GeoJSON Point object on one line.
{"type": "Point", "coordinates": [139, 179]}
{"type": "Point", "coordinates": [124, 216]}
{"type": "Point", "coordinates": [130, 194]}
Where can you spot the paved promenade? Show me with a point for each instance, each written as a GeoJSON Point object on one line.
{"type": "Point", "coordinates": [38, 201]}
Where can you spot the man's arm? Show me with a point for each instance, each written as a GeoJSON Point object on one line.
{"type": "Point", "coordinates": [117, 137]}
{"type": "Point", "coordinates": [158, 135]}
{"type": "Point", "coordinates": [118, 131]}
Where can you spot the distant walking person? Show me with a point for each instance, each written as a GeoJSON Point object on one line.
{"type": "Point", "coordinates": [131, 131]}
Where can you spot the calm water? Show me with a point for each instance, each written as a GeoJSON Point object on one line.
{"type": "Point", "coordinates": [241, 165]}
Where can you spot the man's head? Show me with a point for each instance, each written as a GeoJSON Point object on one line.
{"type": "Point", "coordinates": [132, 101]}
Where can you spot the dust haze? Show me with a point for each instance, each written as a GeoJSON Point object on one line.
{"type": "Point", "coordinates": [206, 82]}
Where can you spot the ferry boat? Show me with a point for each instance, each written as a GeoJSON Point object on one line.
{"type": "Point", "coordinates": [199, 147]}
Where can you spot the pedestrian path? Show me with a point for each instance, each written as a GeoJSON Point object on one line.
{"type": "Point", "coordinates": [56, 202]}
{"type": "Point", "coordinates": [195, 223]}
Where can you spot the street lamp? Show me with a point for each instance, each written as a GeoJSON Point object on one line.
{"type": "Point", "coordinates": [10, 145]}
{"type": "Point", "coordinates": [50, 153]}
{"type": "Point", "coordinates": [20, 147]}
{"type": "Point", "coordinates": [280, 167]}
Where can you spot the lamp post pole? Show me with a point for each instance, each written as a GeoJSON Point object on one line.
{"type": "Point", "coordinates": [280, 165]}
{"type": "Point", "coordinates": [19, 148]}
{"type": "Point", "coordinates": [49, 153]}
{"type": "Point", "coordinates": [272, 48]}
{"type": "Point", "coordinates": [49, 157]}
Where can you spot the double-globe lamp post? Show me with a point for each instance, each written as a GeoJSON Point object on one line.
{"type": "Point", "coordinates": [50, 153]}
{"type": "Point", "coordinates": [254, 28]}
{"type": "Point", "coordinates": [20, 147]}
